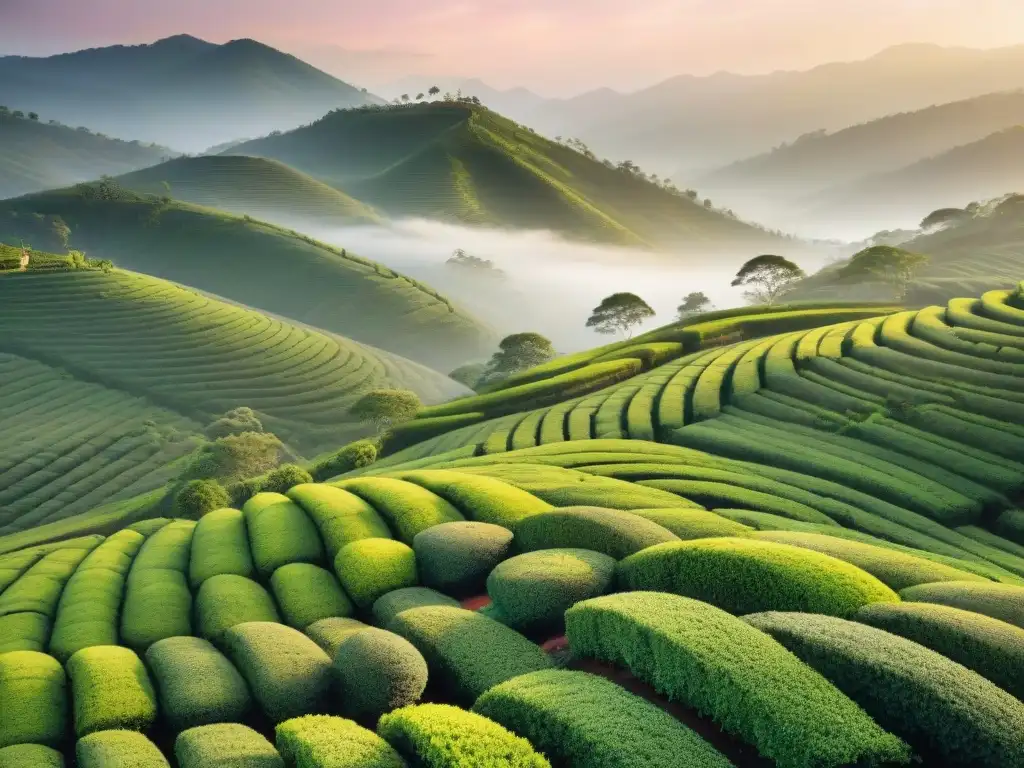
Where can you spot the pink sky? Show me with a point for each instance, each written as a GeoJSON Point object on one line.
{"type": "Point", "coordinates": [552, 46]}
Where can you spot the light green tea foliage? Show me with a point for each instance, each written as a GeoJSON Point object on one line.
{"type": "Point", "coordinates": [584, 720]}
{"type": "Point", "coordinates": [744, 575]}
{"type": "Point", "coordinates": [699, 655]}
{"type": "Point", "coordinates": [220, 545]}
{"type": "Point", "coordinates": [1000, 601]}
{"type": "Point", "coordinates": [536, 588]}
{"type": "Point", "coordinates": [342, 517]}
{"type": "Point", "coordinates": [443, 736]}
{"type": "Point", "coordinates": [25, 631]}
{"type": "Point", "coordinates": [467, 653]}
{"type": "Point", "coordinates": [30, 756]}
{"type": "Point", "coordinates": [307, 593]}
{"type": "Point", "coordinates": [33, 699]}
{"type": "Point", "coordinates": [386, 607]}
{"type": "Point", "coordinates": [225, 744]}
{"type": "Point", "coordinates": [357, 455]}
{"type": "Point", "coordinates": [280, 533]}
{"type": "Point", "coordinates": [938, 706]}
{"type": "Point", "coordinates": [196, 683]}
{"type": "Point", "coordinates": [483, 499]}
{"type": "Point", "coordinates": [378, 671]}
{"type": "Point", "coordinates": [320, 741]}
{"type": "Point", "coordinates": [330, 633]}
{"type": "Point", "coordinates": [118, 749]}
{"type": "Point", "coordinates": [609, 531]}
{"type": "Point", "coordinates": [407, 507]}
{"type": "Point", "coordinates": [226, 600]}
{"type": "Point", "coordinates": [370, 568]}
{"type": "Point", "coordinates": [288, 674]}
{"type": "Point", "coordinates": [456, 557]}
{"type": "Point", "coordinates": [111, 689]}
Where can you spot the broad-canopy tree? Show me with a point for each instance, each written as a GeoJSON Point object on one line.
{"type": "Point", "coordinates": [516, 353]}
{"type": "Point", "coordinates": [886, 264]}
{"type": "Point", "coordinates": [766, 278]}
{"type": "Point", "coordinates": [619, 313]}
{"type": "Point", "coordinates": [693, 303]}
{"type": "Point", "coordinates": [385, 408]}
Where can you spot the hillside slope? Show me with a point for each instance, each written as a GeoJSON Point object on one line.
{"type": "Point", "coordinates": [253, 263]}
{"type": "Point", "coordinates": [458, 162]}
{"type": "Point", "coordinates": [36, 155]}
{"type": "Point", "coordinates": [180, 91]}
{"type": "Point", "coordinates": [262, 188]}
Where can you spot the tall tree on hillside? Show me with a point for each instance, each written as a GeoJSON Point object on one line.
{"type": "Point", "coordinates": [693, 304]}
{"type": "Point", "coordinates": [386, 408]}
{"type": "Point", "coordinates": [619, 313]}
{"type": "Point", "coordinates": [33, 116]}
{"type": "Point", "coordinates": [767, 277]}
{"type": "Point", "coordinates": [516, 353]}
{"type": "Point", "coordinates": [434, 90]}
{"type": "Point", "coordinates": [61, 231]}
{"type": "Point", "coordinates": [419, 96]}
{"type": "Point", "coordinates": [405, 98]}
{"type": "Point", "coordinates": [885, 264]}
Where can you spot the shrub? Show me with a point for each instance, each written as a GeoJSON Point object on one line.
{"type": "Point", "coordinates": [942, 709]}
{"type": "Point", "coordinates": [442, 736]}
{"type": "Point", "coordinates": [467, 653]}
{"type": "Point", "coordinates": [196, 683]}
{"type": "Point", "coordinates": [697, 654]}
{"type": "Point", "coordinates": [198, 497]}
{"type": "Point", "coordinates": [744, 576]}
{"type": "Point", "coordinates": [992, 648]}
{"type": "Point", "coordinates": [609, 531]}
{"type": "Point", "coordinates": [456, 557]}
{"type": "Point", "coordinates": [342, 517]}
{"type": "Point", "coordinates": [386, 607]}
{"type": "Point", "coordinates": [534, 590]}
{"type": "Point", "coordinates": [30, 756]}
{"type": "Point", "coordinates": [330, 633]}
{"type": "Point", "coordinates": [220, 544]}
{"type": "Point", "coordinates": [1000, 601]}
{"type": "Point", "coordinates": [378, 671]}
{"type": "Point", "coordinates": [284, 478]}
{"type": "Point", "coordinates": [25, 631]}
{"type": "Point", "coordinates": [370, 568]}
{"type": "Point", "coordinates": [1010, 525]}
{"type": "Point", "coordinates": [33, 699]}
{"type": "Point", "coordinates": [226, 600]}
{"type": "Point", "coordinates": [586, 721]}
{"type": "Point", "coordinates": [307, 593]}
{"type": "Point", "coordinates": [280, 533]}
{"type": "Point", "coordinates": [479, 498]}
{"type": "Point", "coordinates": [235, 457]}
{"type": "Point", "coordinates": [111, 690]}
{"type": "Point", "coordinates": [225, 744]}
{"type": "Point", "coordinates": [288, 674]}
{"type": "Point", "coordinates": [408, 508]}
{"type": "Point", "coordinates": [157, 604]}
{"type": "Point", "coordinates": [418, 430]}
{"type": "Point", "coordinates": [319, 741]}
{"type": "Point", "coordinates": [234, 422]}
{"type": "Point", "coordinates": [895, 569]}
{"type": "Point", "coordinates": [692, 523]}
{"type": "Point", "coordinates": [357, 455]}
{"type": "Point", "coordinates": [118, 749]}
{"type": "Point", "coordinates": [391, 405]}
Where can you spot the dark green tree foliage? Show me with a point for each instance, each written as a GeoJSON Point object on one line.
{"type": "Point", "coordinates": [235, 457]}
{"type": "Point", "coordinates": [471, 264]}
{"type": "Point", "coordinates": [199, 497]}
{"type": "Point", "coordinates": [234, 422]}
{"type": "Point", "coordinates": [357, 455]}
{"type": "Point", "coordinates": [619, 313]}
{"type": "Point", "coordinates": [469, 374]}
{"type": "Point", "coordinates": [767, 277]}
{"type": "Point", "coordinates": [284, 478]}
{"type": "Point", "coordinates": [610, 531]}
{"type": "Point", "coordinates": [385, 408]}
{"type": "Point", "coordinates": [516, 353]}
{"type": "Point", "coordinates": [886, 264]}
{"type": "Point", "coordinates": [378, 671]}
{"type": "Point", "coordinates": [693, 304]}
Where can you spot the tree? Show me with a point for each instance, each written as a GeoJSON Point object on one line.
{"type": "Point", "coordinates": [33, 116]}
{"type": "Point", "coordinates": [419, 96]}
{"type": "Point", "coordinates": [285, 477]}
{"type": "Point", "coordinates": [18, 113]}
{"type": "Point", "coordinates": [61, 231]}
{"type": "Point", "coordinates": [434, 90]}
{"type": "Point", "coordinates": [405, 98]}
{"type": "Point", "coordinates": [469, 374]}
{"type": "Point", "coordinates": [235, 457]}
{"type": "Point", "coordinates": [199, 497]}
{"type": "Point", "coordinates": [385, 408]}
{"type": "Point", "coordinates": [518, 352]}
{"type": "Point", "coordinates": [886, 264]}
{"type": "Point", "coordinates": [234, 422]}
{"type": "Point", "coordinates": [361, 453]}
{"type": "Point", "coordinates": [767, 277]}
{"type": "Point", "coordinates": [693, 303]}
{"type": "Point", "coordinates": [619, 313]}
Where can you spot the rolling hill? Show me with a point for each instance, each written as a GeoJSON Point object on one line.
{"type": "Point", "coordinates": [180, 91]}
{"type": "Point", "coordinates": [254, 263]}
{"type": "Point", "coordinates": [36, 155]}
{"type": "Point", "coordinates": [262, 188]}
{"type": "Point", "coordinates": [459, 162]}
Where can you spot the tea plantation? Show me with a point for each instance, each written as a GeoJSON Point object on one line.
{"type": "Point", "coordinates": [790, 537]}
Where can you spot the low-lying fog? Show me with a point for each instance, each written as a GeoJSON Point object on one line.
{"type": "Point", "coordinates": [550, 284]}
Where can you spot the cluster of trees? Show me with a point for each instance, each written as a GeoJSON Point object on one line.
{"type": "Point", "coordinates": [4, 110]}
{"type": "Point", "coordinates": [467, 261]}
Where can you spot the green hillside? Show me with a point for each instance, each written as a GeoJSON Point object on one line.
{"type": "Point", "coordinates": [253, 263]}
{"type": "Point", "coordinates": [459, 162]}
{"type": "Point", "coordinates": [698, 563]}
{"type": "Point", "coordinates": [262, 188]}
{"type": "Point", "coordinates": [36, 155]}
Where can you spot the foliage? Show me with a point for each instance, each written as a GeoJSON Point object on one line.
{"type": "Point", "coordinates": [583, 720]}
{"type": "Point", "coordinates": [30, 755]}
{"type": "Point", "coordinates": [518, 352]}
{"type": "Point", "coordinates": [533, 590]}
{"type": "Point", "coordinates": [226, 600]}
{"type": "Point", "coordinates": [888, 264]}
{"type": "Point", "coordinates": [407, 508]}
{"type": "Point", "coordinates": [370, 568]}
{"type": "Point", "coordinates": [387, 606]}
{"type": "Point", "coordinates": [469, 374]}
{"type": "Point", "coordinates": [942, 709]}
{"type": "Point", "coordinates": [733, 673]}
{"type": "Point", "coordinates": [225, 744]}
{"type": "Point", "coordinates": [467, 653]}
{"type": "Point", "coordinates": [619, 313]}
{"type": "Point", "coordinates": [357, 455]}
{"type": "Point", "coordinates": [237, 456]}
{"type": "Point", "coordinates": [307, 593]}
{"type": "Point", "coordinates": [235, 422]}
{"type": "Point", "coordinates": [1000, 601]}
{"type": "Point", "coordinates": [767, 277]}
{"type": "Point", "coordinates": [118, 747]}
{"type": "Point", "coordinates": [483, 499]}
{"type": "Point", "coordinates": [320, 741]}
{"type": "Point", "coordinates": [456, 557]}
{"type": "Point", "coordinates": [288, 674]}
{"type": "Point", "coordinates": [330, 633]}
{"type": "Point", "coordinates": [443, 736]}
{"type": "Point", "coordinates": [111, 689]}
{"type": "Point", "coordinates": [284, 478]}
{"type": "Point", "coordinates": [609, 531]}
{"type": "Point", "coordinates": [196, 684]}
{"type": "Point", "coordinates": [280, 532]}
{"type": "Point", "coordinates": [220, 544]}
{"type": "Point", "coordinates": [340, 516]}
{"type": "Point", "coordinates": [694, 304]}
{"type": "Point", "coordinates": [378, 671]}
{"type": "Point", "coordinates": [198, 497]}
{"type": "Point", "coordinates": [33, 699]}
{"type": "Point", "coordinates": [470, 263]}
{"type": "Point", "coordinates": [385, 408]}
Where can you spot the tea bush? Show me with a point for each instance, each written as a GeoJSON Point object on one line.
{"type": "Point", "coordinates": [609, 531]}
{"type": "Point", "coordinates": [378, 671]}
{"type": "Point", "coordinates": [457, 557]}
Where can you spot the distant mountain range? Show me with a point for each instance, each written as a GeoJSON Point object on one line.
{"type": "Point", "coordinates": [181, 91]}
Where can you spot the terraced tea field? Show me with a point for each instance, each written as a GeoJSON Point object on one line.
{"type": "Point", "coordinates": [804, 548]}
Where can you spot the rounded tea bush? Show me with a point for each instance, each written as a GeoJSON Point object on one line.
{"type": "Point", "coordinates": [225, 744]}
{"type": "Point", "coordinates": [370, 568]}
{"type": "Point", "coordinates": [308, 593]}
{"type": "Point", "coordinates": [357, 455]}
{"type": "Point", "coordinates": [609, 531]}
{"type": "Point", "coordinates": [33, 699]}
{"type": "Point", "coordinates": [1000, 601]}
{"type": "Point", "coordinates": [110, 689]}
{"type": "Point", "coordinates": [226, 600]}
{"type": "Point", "coordinates": [284, 478]}
{"type": "Point", "coordinates": [30, 756]}
{"type": "Point", "coordinates": [536, 588]}
{"type": "Point", "coordinates": [330, 633]}
{"type": "Point", "coordinates": [388, 606]}
{"type": "Point", "coordinates": [117, 749]}
{"type": "Point", "coordinates": [378, 671]}
{"type": "Point", "coordinates": [456, 558]}
{"type": "Point", "coordinates": [320, 740]}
